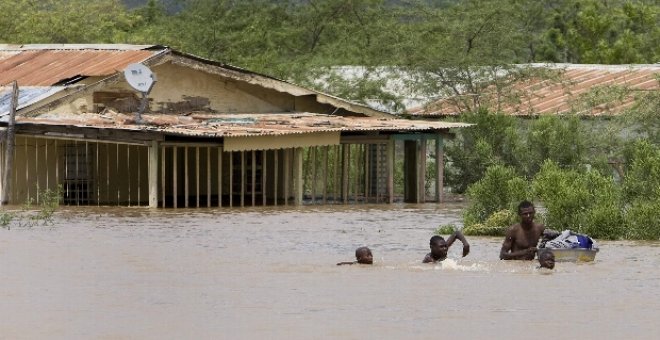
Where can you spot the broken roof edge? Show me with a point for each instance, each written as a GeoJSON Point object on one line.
{"type": "Point", "coordinates": [64, 47]}
{"type": "Point", "coordinates": [27, 96]}
{"type": "Point", "coordinates": [280, 85]}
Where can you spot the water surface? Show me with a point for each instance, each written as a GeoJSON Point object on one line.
{"type": "Point", "coordinates": [134, 273]}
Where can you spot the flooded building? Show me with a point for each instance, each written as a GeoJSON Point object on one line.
{"type": "Point", "coordinates": [150, 126]}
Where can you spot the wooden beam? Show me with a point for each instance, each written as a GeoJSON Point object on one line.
{"type": "Point", "coordinates": [439, 169]}
{"type": "Point", "coordinates": [275, 172]}
{"type": "Point", "coordinates": [186, 180]}
{"type": "Point", "coordinates": [263, 177]}
{"type": "Point", "coordinates": [231, 179]}
{"type": "Point", "coordinates": [390, 170]}
{"type": "Point", "coordinates": [313, 150]}
{"type": "Point", "coordinates": [220, 176]}
{"type": "Point", "coordinates": [242, 179]}
{"type": "Point", "coordinates": [345, 171]}
{"type": "Point", "coordinates": [286, 176]}
{"type": "Point", "coordinates": [197, 166]}
{"type": "Point", "coordinates": [325, 173]}
{"type": "Point", "coordinates": [163, 176]}
{"type": "Point", "coordinates": [175, 166]}
{"type": "Point", "coordinates": [208, 177]}
{"type": "Point", "coordinates": [421, 178]}
{"type": "Point", "coordinates": [253, 158]}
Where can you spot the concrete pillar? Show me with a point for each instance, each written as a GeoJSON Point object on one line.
{"type": "Point", "coordinates": [153, 174]}
{"type": "Point", "coordinates": [298, 175]}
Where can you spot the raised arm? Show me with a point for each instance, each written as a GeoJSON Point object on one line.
{"type": "Point", "coordinates": [459, 235]}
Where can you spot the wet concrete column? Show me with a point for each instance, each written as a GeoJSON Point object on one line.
{"type": "Point", "coordinates": [153, 174]}
{"type": "Point", "coordinates": [298, 175]}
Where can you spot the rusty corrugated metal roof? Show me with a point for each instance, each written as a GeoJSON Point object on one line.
{"type": "Point", "coordinates": [567, 94]}
{"type": "Point", "coordinates": [234, 125]}
{"type": "Point", "coordinates": [45, 65]}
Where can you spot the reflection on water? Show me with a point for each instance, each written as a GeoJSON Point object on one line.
{"type": "Point", "coordinates": [163, 274]}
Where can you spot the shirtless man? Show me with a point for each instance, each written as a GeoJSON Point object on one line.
{"type": "Point", "coordinates": [521, 238]}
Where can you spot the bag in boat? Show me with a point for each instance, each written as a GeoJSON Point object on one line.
{"type": "Point", "coordinates": [570, 240]}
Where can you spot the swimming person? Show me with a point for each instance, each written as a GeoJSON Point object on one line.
{"type": "Point", "coordinates": [439, 247]}
{"type": "Point", "coordinates": [521, 239]}
{"type": "Point", "coordinates": [546, 258]}
{"type": "Point", "coordinates": [362, 255]}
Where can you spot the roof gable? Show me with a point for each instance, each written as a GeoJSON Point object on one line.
{"type": "Point", "coordinates": [50, 65]}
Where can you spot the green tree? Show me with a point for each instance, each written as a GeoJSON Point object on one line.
{"type": "Point", "coordinates": [58, 21]}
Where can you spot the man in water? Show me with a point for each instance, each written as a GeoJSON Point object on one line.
{"type": "Point", "coordinates": [439, 247]}
{"type": "Point", "coordinates": [546, 258]}
{"type": "Point", "coordinates": [362, 255]}
{"type": "Point", "coordinates": [521, 239]}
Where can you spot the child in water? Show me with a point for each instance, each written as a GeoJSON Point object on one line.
{"type": "Point", "coordinates": [546, 258]}
{"type": "Point", "coordinates": [362, 255]}
{"type": "Point", "coordinates": [439, 247]}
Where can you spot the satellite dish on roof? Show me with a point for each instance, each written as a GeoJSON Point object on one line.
{"type": "Point", "coordinates": [140, 77]}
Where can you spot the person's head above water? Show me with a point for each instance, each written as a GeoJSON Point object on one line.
{"type": "Point", "coordinates": [546, 258]}
{"type": "Point", "coordinates": [439, 247]}
{"type": "Point", "coordinates": [526, 212]}
{"type": "Point", "coordinates": [363, 255]}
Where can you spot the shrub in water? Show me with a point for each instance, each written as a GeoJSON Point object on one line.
{"type": "Point", "coordinates": [495, 225]}
{"type": "Point", "coordinates": [500, 189]}
{"type": "Point", "coordinates": [586, 202]}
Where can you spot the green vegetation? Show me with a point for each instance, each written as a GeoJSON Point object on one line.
{"type": "Point", "coordinates": [585, 173]}
{"type": "Point", "coordinates": [584, 200]}
{"type": "Point", "coordinates": [445, 46]}
{"type": "Point", "coordinates": [28, 216]}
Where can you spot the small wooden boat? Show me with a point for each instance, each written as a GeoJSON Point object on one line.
{"type": "Point", "coordinates": [574, 254]}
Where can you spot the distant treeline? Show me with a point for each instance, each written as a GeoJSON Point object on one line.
{"type": "Point", "coordinates": [287, 37]}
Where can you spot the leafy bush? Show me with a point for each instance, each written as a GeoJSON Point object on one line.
{"type": "Point", "coordinates": [560, 139]}
{"type": "Point", "coordinates": [642, 176]}
{"type": "Point", "coordinates": [494, 139]}
{"type": "Point", "coordinates": [49, 201]}
{"type": "Point", "coordinates": [586, 202]}
{"type": "Point", "coordinates": [495, 225]}
{"type": "Point", "coordinates": [446, 229]}
{"type": "Point", "coordinates": [643, 220]}
{"type": "Point", "coordinates": [500, 189]}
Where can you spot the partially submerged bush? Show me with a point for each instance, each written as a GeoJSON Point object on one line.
{"type": "Point", "coordinates": [446, 229]}
{"type": "Point", "coordinates": [585, 202]}
{"type": "Point", "coordinates": [643, 220]}
{"type": "Point", "coordinates": [49, 201]}
{"type": "Point", "coordinates": [495, 225]}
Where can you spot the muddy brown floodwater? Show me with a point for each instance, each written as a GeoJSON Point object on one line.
{"type": "Point", "coordinates": [134, 273]}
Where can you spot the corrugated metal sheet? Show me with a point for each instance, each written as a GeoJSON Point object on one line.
{"type": "Point", "coordinates": [26, 96]}
{"type": "Point", "coordinates": [568, 94]}
{"type": "Point", "coordinates": [233, 125]}
{"type": "Point", "coordinates": [40, 66]}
